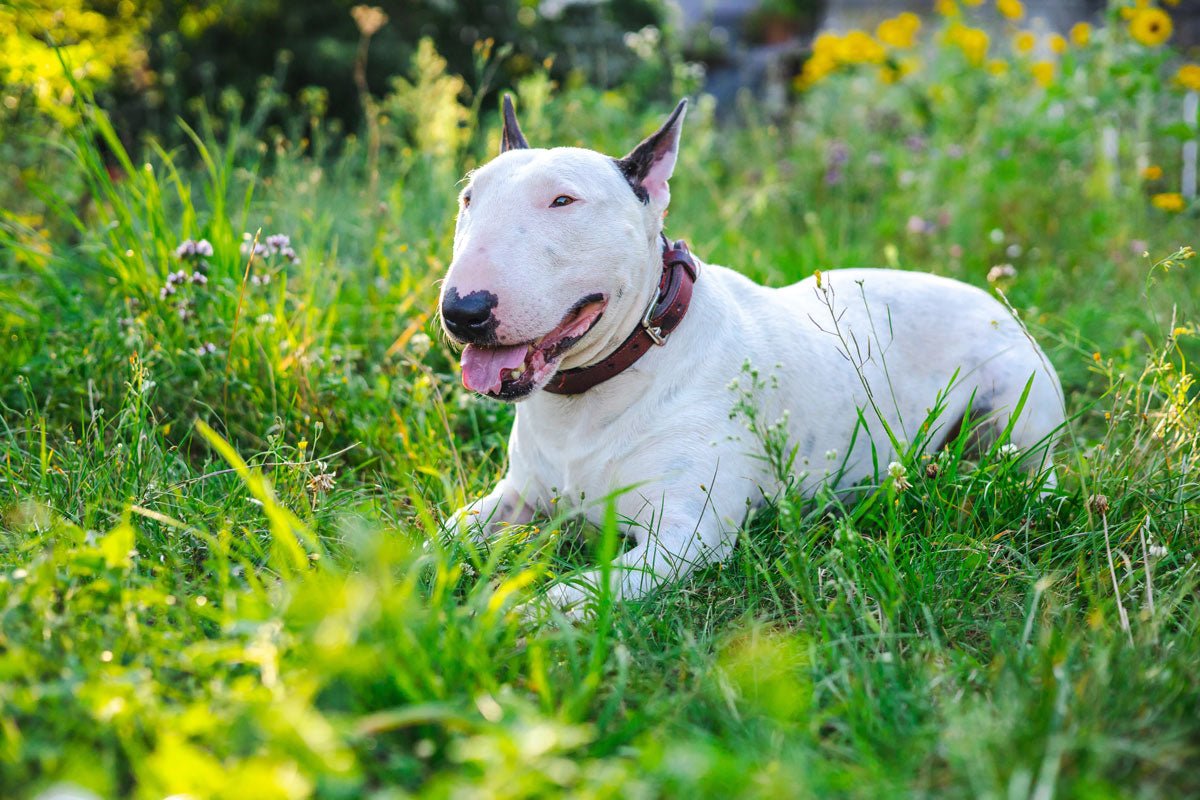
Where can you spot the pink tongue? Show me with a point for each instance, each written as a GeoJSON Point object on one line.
{"type": "Point", "coordinates": [483, 367]}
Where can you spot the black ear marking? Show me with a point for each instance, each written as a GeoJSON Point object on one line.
{"type": "Point", "coordinates": [511, 137]}
{"type": "Point", "coordinates": [658, 145]}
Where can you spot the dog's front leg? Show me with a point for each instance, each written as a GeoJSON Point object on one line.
{"type": "Point", "coordinates": [679, 546]}
{"type": "Point", "coordinates": [481, 520]}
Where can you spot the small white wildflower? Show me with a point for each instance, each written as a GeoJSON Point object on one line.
{"type": "Point", "coordinates": [899, 476]}
{"type": "Point", "coordinates": [831, 455]}
{"type": "Point", "coordinates": [996, 236]}
{"type": "Point", "coordinates": [1009, 451]}
{"type": "Point", "coordinates": [266, 319]}
{"type": "Point", "coordinates": [1014, 251]}
{"type": "Point", "coordinates": [186, 249]}
{"type": "Point", "coordinates": [1001, 272]}
{"type": "Point", "coordinates": [420, 344]}
{"type": "Point", "coordinates": [1157, 551]}
{"type": "Point", "coordinates": [204, 248]}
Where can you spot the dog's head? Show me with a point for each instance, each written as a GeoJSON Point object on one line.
{"type": "Point", "coordinates": [556, 255]}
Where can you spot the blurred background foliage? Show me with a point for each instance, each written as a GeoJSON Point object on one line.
{"type": "Point", "coordinates": [153, 60]}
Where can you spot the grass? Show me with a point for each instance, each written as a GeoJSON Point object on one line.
{"type": "Point", "coordinates": [177, 620]}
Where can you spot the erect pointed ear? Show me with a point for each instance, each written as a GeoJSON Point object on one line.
{"type": "Point", "coordinates": [511, 137]}
{"type": "Point", "coordinates": [649, 165]}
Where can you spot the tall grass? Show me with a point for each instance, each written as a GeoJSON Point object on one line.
{"type": "Point", "coordinates": [222, 570]}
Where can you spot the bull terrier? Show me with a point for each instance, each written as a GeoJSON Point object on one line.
{"type": "Point", "coordinates": [629, 358]}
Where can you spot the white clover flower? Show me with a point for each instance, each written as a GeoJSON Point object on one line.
{"type": "Point", "coordinates": [186, 249]}
{"type": "Point", "coordinates": [1157, 551]}
{"type": "Point", "coordinates": [204, 248]}
{"type": "Point", "coordinates": [420, 344]}
{"type": "Point", "coordinates": [996, 236]}
{"type": "Point", "coordinates": [1008, 451]}
{"type": "Point", "coordinates": [899, 476]}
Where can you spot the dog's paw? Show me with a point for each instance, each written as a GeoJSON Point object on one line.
{"type": "Point", "coordinates": [465, 526]}
{"type": "Point", "coordinates": [575, 603]}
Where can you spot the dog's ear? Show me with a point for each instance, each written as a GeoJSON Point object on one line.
{"type": "Point", "coordinates": [511, 137]}
{"type": "Point", "coordinates": [648, 166]}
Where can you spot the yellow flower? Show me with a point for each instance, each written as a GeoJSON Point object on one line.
{"type": "Point", "coordinates": [1189, 77]}
{"type": "Point", "coordinates": [859, 48]}
{"type": "Point", "coordinates": [1168, 201]}
{"type": "Point", "coordinates": [973, 42]}
{"type": "Point", "coordinates": [900, 31]}
{"type": "Point", "coordinates": [1151, 27]}
{"type": "Point", "coordinates": [827, 44]}
{"type": "Point", "coordinates": [1128, 12]}
{"type": "Point", "coordinates": [947, 8]}
{"type": "Point", "coordinates": [1012, 9]}
{"type": "Point", "coordinates": [819, 66]}
{"type": "Point", "coordinates": [1057, 44]}
{"type": "Point", "coordinates": [1043, 72]}
{"type": "Point", "coordinates": [1152, 172]}
{"type": "Point", "coordinates": [1081, 34]}
{"type": "Point", "coordinates": [1024, 41]}
{"type": "Point", "coordinates": [997, 67]}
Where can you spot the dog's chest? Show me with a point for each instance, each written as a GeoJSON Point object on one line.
{"type": "Point", "coordinates": [576, 469]}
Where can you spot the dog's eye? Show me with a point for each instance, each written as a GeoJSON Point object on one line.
{"type": "Point", "coordinates": [466, 200]}
{"type": "Point", "coordinates": [562, 200]}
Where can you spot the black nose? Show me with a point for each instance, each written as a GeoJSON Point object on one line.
{"type": "Point", "coordinates": [469, 318]}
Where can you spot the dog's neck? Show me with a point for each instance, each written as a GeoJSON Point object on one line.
{"type": "Point", "coordinates": [625, 315]}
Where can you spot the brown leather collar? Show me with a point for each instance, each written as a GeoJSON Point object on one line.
{"type": "Point", "coordinates": [662, 316]}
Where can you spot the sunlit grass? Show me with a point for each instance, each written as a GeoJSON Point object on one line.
{"type": "Point", "coordinates": [222, 573]}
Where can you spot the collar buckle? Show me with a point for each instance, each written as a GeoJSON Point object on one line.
{"type": "Point", "coordinates": [653, 331]}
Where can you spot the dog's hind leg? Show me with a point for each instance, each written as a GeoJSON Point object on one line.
{"type": "Point", "coordinates": [1033, 433]}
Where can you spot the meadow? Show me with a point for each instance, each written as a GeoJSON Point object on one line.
{"type": "Point", "coordinates": [231, 429]}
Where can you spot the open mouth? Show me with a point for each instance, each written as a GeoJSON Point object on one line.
{"type": "Point", "coordinates": [510, 372]}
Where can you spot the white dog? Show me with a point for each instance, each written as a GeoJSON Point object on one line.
{"type": "Point", "coordinates": [629, 357]}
